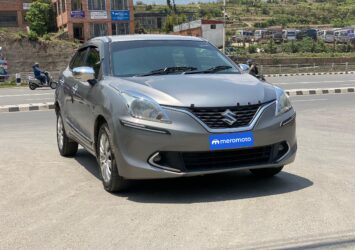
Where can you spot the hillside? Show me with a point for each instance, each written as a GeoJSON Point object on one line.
{"type": "Point", "coordinates": [264, 13]}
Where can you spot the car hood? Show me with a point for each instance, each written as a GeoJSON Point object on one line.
{"type": "Point", "coordinates": [200, 90]}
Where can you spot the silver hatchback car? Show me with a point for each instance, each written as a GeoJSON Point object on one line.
{"type": "Point", "coordinates": [161, 106]}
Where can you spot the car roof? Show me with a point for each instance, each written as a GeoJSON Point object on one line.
{"type": "Point", "coordinates": [122, 38]}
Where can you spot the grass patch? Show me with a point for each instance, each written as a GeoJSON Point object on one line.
{"type": "Point", "coordinates": [11, 84]}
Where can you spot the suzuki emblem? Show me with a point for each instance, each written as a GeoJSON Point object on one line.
{"type": "Point", "coordinates": [229, 117]}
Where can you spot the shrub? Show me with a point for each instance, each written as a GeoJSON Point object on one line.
{"type": "Point", "coordinates": [47, 37]}
{"type": "Point", "coordinates": [32, 36]}
{"type": "Point", "coordinates": [252, 49]}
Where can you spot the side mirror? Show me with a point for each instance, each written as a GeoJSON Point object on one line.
{"type": "Point", "coordinates": [244, 67]}
{"type": "Point", "coordinates": [85, 74]}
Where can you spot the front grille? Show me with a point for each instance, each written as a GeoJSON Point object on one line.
{"type": "Point", "coordinates": [220, 159]}
{"type": "Point", "coordinates": [213, 117]}
{"type": "Point", "coordinates": [226, 159]}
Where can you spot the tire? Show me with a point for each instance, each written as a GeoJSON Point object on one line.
{"type": "Point", "coordinates": [266, 172]}
{"type": "Point", "coordinates": [111, 180]}
{"type": "Point", "coordinates": [53, 85]}
{"type": "Point", "coordinates": [32, 86]}
{"type": "Point", "coordinates": [66, 146]}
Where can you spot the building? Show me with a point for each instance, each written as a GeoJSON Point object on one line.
{"type": "Point", "coordinates": [84, 19]}
{"type": "Point", "coordinates": [12, 13]}
{"type": "Point", "coordinates": [156, 20]}
{"type": "Point", "coordinates": [212, 30]}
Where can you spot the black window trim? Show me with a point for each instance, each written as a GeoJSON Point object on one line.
{"type": "Point", "coordinates": [76, 54]}
{"type": "Point", "coordinates": [91, 45]}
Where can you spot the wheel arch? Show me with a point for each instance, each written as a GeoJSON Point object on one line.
{"type": "Point", "coordinates": [56, 107]}
{"type": "Point", "coordinates": [100, 119]}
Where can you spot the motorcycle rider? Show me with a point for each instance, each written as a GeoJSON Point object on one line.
{"type": "Point", "coordinates": [39, 74]}
{"type": "Point", "coordinates": [253, 69]}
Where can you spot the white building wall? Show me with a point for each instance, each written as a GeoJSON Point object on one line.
{"type": "Point", "coordinates": [186, 26]}
{"type": "Point", "coordinates": [214, 36]}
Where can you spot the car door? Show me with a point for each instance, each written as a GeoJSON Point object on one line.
{"type": "Point", "coordinates": [84, 106]}
{"type": "Point", "coordinates": [70, 90]}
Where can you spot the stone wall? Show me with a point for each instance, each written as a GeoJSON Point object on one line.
{"type": "Point", "coordinates": [52, 56]}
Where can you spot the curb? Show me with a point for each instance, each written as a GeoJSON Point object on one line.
{"type": "Point", "coordinates": [312, 74]}
{"type": "Point", "coordinates": [320, 91]}
{"type": "Point", "coordinates": [27, 107]}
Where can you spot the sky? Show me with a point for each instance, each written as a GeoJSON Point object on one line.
{"type": "Point", "coordinates": [176, 1]}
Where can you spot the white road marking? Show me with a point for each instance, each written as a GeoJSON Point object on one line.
{"type": "Point", "coordinates": [310, 100]}
{"type": "Point", "coordinates": [36, 99]}
{"type": "Point", "coordinates": [40, 110]}
{"type": "Point", "coordinates": [1, 96]}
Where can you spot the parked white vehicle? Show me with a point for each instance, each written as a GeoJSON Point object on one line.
{"type": "Point", "coordinates": [344, 35]}
{"type": "Point", "coordinates": [244, 35]}
{"type": "Point", "coordinates": [321, 34]}
{"type": "Point", "coordinates": [289, 35]}
{"type": "Point", "coordinates": [329, 36]}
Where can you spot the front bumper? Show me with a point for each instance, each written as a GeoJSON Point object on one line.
{"type": "Point", "coordinates": [136, 146]}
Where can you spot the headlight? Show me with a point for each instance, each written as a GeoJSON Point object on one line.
{"type": "Point", "coordinates": [143, 107]}
{"type": "Point", "coordinates": [283, 103]}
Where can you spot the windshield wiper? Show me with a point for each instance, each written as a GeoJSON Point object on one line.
{"type": "Point", "coordinates": [169, 70]}
{"type": "Point", "coordinates": [211, 70]}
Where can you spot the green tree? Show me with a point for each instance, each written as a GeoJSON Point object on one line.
{"type": "Point", "coordinates": [172, 20]}
{"type": "Point", "coordinates": [39, 17]}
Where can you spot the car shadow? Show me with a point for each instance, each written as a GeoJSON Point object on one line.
{"type": "Point", "coordinates": [208, 188]}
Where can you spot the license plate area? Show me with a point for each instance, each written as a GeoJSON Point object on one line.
{"type": "Point", "coordinates": [231, 140]}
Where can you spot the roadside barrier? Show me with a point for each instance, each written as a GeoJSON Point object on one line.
{"type": "Point", "coordinates": [320, 91]}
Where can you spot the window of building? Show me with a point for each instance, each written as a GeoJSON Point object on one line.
{"type": "Point", "coordinates": [119, 4]}
{"type": "Point", "coordinates": [120, 28]}
{"type": "Point", "coordinates": [8, 19]}
{"type": "Point", "coordinates": [213, 26]}
{"type": "Point", "coordinates": [98, 29]}
{"type": "Point", "coordinates": [55, 9]}
{"type": "Point", "coordinates": [63, 6]}
{"type": "Point", "coordinates": [76, 5]}
{"type": "Point", "coordinates": [97, 4]}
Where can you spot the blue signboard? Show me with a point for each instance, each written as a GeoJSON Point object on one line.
{"type": "Point", "coordinates": [120, 15]}
{"type": "Point", "coordinates": [229, 141]}
{"type": "Point", "coordinates": [77, 14]}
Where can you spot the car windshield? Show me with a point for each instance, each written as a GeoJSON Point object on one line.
{"type": "Point", "coordinates": [140, 58]}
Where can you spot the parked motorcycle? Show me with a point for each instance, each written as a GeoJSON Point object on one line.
{"type": "Point", "coordinates": [34, 83]}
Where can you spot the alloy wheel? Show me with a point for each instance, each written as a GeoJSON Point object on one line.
{"type": "Point", "coordinates": [105, 158]}
{"type": "Point", "coordinates": [60, 132]}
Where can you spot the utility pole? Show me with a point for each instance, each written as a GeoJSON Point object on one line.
{"type": "Point", "coordinates": [224, 26]}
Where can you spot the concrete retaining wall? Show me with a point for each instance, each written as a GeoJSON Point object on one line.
{"type": "Point", "coordinates": [21, 54]}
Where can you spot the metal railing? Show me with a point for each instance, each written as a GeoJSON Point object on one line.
{"type": "Point", "coordinates": [264, 69]}
{"type": "Point", "coordinates": [306, 68]}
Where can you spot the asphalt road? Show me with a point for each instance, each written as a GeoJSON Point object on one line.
{"type": "Point", "coordinates": [22, 95]}
{"type": "Point", "coordinates": [50, 202]}
{"type": "Point", "coordinates": [25, 95]}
